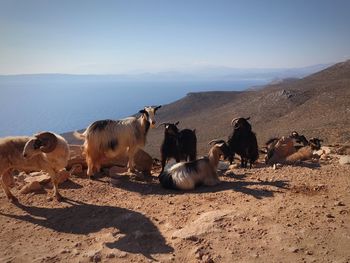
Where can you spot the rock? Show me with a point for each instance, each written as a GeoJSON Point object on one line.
{"type": "Point", "coordinates": [31, 187]}
{"type": "Point", "coordinates": [94, 256]}
{"type": "Point", "coordinates": [326, 150]}
{"type": "Point", "coordinates": [233, 166]}
{"type": "Point", "coordinates": [330, 216]}
{"type": "Point", "coordinates": [294, 249]}
{"type": "Point", "coordinates": [344, 159]}
{"type": "Point", "coordinates": [115, 170]}
{"type": "Point", "coordinates": [339, 203]}
{"type": "Point", "coordinates": [40, 177]}
{"type": "Point", "coordinates": [223, 165]}
{"type": "Point", "coordinates": [110, 255]}
{"type": "Point", "coordinates": [206, 223]}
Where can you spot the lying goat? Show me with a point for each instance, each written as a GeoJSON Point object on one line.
{"type": "Point", "coordinates": [178, 144]}
{"type": "Point", "coordinates": [44, 151]}
{"type": "Point", "coordinates": [305, 153]}
{"type": "Point", "coordinates": [187, 175]}
{"type": "Point", "coordinates": [112, 138]}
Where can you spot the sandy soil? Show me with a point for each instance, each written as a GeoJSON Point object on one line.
{"type": "Point", "coordinates": [292, 214]}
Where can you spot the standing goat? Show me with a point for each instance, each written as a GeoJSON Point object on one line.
{"type": "Point", "coordinates": [44, 151]}
{"type": "Point", "coordinates": [111, 138]}
{"type": "Point", "coordinates": [180, 145]}
{"type": "Point", "coordinates": [243, 142]}
{"type": "Point", "coordinates": [187, 175]}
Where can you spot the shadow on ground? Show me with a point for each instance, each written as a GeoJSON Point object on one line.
{"type": "Point", "coordinates": [140, 235]}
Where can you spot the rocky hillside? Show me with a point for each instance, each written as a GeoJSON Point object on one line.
{"type": "Point", "coordinates": [318, 105]}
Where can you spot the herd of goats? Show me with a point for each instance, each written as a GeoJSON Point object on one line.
{"type": "Point", "coordinates": [111, 138]}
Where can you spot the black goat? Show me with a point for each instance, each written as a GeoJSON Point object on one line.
{"type": "Point", "coordinates": [243, 142]}
{"type": "Point", "coordinates": [178, 144]}
{"type": "Point", "coordinates": [300, 140]}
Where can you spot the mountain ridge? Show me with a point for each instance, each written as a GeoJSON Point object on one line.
{"type": "Point", "coordinates": [317, 106]}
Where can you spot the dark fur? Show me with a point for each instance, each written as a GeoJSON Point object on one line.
{"type": "Point", "coordinates": [180, 145]}
{"type": "Point", "coordinates": [244, 143]}
{"type": "Point", "coordinates": [166, 180]}
{"type": "Point", "coordinates": [100, 125]}
{"type": "Point", "coordinates": [113, 144]}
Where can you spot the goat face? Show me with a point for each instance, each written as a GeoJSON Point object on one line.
{"type": "Point", "coordinates": [241, 124]}
{"type": "Point", "coordinates": [149, 113]}
{"type": "Point", "coordinates": [315, 143]}
{"type": "Point", "coordinates": [171, 128]}
{"type": "Point", "coordinates": [44, 142]}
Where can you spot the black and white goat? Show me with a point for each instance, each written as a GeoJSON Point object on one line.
{"type": "Point", "coordinates": [243, 142]}
{"type": "Point", "coordinates": [187, 175]}
{"type": "Point", "coordinates": [111, 138]}
{"type": "Point", "coordinates": [178, 144]}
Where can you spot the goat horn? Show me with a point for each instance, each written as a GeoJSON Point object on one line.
{"type": "Point", "coordinates": [48, 140]}
{"type": "Point", "coordinates": [233, 120]}
{"type": "Point", "coordinates": [163, 123]}
{"type": "Point", "coordinates": [247, 119]}
{"type": "Point", "coordinates": [176, 123]}
{"type": "Point", "coordinates": [156, 108]}
{"type": "Point", "coordinates": [216, 141]}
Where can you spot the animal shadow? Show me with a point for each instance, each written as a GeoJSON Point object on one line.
{"type": "Point", "coordinates": [139, 234]}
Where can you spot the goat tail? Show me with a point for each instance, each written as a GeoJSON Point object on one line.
{"type": "Point", "coordinates": [79, 136]}
{"type": "Point", "coordinates": [166, 180]}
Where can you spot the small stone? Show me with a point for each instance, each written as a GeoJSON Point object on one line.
{"type": "Point", "coordinates": [31, 187]}
{"type": "Point", "coordinates": [65, 251]}
{"type": "Point", "coordinates": [339, 203]}
{"type": "Point", "coordinates": [307, 252]}
{"type": "Point", "coordinates": [110, 255]}
{"type": "Point", "coordinates": [122, 255]}
{"type": "Point", "coordinates": [330, 216]}
{"type": "Point", "coordinates": [294, 249]}
{"type": "Point", "coordinates": [344, 160]}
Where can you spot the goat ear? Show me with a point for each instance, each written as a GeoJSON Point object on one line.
{"type": "Point", "coordinates": [176, 123]}
{"type": "Point", "coordinates": [143, 111]}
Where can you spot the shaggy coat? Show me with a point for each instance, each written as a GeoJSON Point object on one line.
{"type": "Point", "coordinates": [107, 139]}
{"type": "Point", "coordinates": [243, 142]}
{"type": "Point", "coordinates": [180, 145]}
{"type": "Point", "coordinates": [187, 175]}
{"type": "Point", "coordinates": [44, 151]}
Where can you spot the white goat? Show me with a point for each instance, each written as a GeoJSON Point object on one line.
{"type": "Point", "coordinates": [112, 138]}
{"type": "Point", "coordinates": [187, 175]}
{"type": "Point", "coordinates": [43, 151]}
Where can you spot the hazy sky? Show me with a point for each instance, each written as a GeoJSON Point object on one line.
{"type": "Point", "coordinates": [146, 35]}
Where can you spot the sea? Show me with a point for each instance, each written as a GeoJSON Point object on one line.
{"type": "Point", "coordinates": [30, 106]}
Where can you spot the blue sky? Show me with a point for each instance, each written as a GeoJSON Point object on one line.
{"type": "Point", "coordinates": [151, 36]}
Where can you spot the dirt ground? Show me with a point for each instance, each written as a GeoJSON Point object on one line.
{"type": "Point", "coordinates": [290, 214]}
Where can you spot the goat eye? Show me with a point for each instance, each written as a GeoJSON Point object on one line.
{"type": "Point", "coordinates": [37, 145]}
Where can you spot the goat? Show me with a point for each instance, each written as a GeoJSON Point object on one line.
{"type": "Point", "coordinates": [187, 175]}
{"type": "Point", "coordinates": [180, 145]}
{"type": "Point", "coordinates": [106, 139]}
{"type": "Point", "coordinates": [299, 139]}
{"type": "Point", "coordinates": [278, 149]}
{"type": "Point", "coordinates": [243, 142]}
{"type": "Point", "coordinates": [306, 152]}
{"type": "Point", "coordinates": [43, 151]}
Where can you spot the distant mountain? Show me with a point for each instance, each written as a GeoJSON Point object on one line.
{"type": "Point", "coordinates": [194, 74]}
{"type": "Point", "coordinates": [316, 106]}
